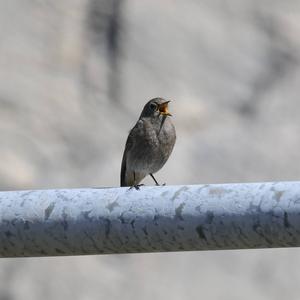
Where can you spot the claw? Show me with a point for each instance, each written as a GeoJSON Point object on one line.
{"type": "Point", "coordinates": [136, 186]}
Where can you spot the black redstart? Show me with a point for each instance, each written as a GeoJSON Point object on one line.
{"type": "Point", "coordinates": [149, 143]}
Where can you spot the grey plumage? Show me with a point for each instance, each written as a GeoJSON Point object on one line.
{"type": "Point", "coordinates": [149, 143]}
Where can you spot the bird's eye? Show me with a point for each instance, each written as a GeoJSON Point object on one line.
{"type": "Point", "coordinates": [153, 106]}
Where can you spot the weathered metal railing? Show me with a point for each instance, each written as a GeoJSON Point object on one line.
{"type": "Point", "coordinates": [152, 219]}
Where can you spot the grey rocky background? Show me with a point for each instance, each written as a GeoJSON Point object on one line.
{"type": "Point", "coordinates": [74, 76]}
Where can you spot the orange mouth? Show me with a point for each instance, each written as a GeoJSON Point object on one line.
{"type": "Point", "coordinates": [163, 109]}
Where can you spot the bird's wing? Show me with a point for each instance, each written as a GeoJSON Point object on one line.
{"type": "Point", "coordinates": [129, 144]}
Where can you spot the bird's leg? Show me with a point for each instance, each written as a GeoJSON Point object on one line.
{"type": "Point", "coordinates": [155, 180]}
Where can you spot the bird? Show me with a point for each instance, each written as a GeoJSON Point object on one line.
{"type": "Point", "coordinates": [149, 144]}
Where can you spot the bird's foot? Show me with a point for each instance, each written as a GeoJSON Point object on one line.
{"type": "Point", "coordinates": [136, 186]}
{"type": "Point", "coordinates": [157, 184]}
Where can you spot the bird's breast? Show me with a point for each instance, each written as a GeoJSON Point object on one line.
{"type": "Point", "coordinates": [153, 146]}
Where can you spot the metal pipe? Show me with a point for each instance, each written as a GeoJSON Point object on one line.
{"type": "Point", "coordinates": [152, 219]}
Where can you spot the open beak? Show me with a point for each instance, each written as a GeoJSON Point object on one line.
{"type": "Point", "coordinates": [163, 109]}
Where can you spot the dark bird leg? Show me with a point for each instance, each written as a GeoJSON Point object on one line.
{"type": "Point", "coordinates": [155, 179]}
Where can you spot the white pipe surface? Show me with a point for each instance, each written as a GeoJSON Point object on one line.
{"type": "Point", "coordinates": [152, 219]}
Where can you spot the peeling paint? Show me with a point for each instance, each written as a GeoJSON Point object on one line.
{"type": "Point", "coordinates": [112, 205]}
{"type": "Point", "coordinates": [218, 191]}
{"type": "Point", "coordinates": [178, 211]}
{"type": "Point", "coordinates": [86, 214]}
{"type": "Point", "coordinates": [178, 192]}
{"type": "Point", "coordinates": [286, 220]}
{"type": "Point", "coordinates": [278, 195]}
{"type": "Point", "coordinates": [200, 231]}
{"type": "Point", "coordinates": [49, 210]}
{"type": "Point", "coordinates": [209, 218]}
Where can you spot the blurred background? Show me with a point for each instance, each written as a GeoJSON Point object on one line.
{"type": "Point", "coordinates": [74, 76]}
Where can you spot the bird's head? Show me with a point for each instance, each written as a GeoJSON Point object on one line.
{"type": "Point", "coordinates": [156, 107]}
